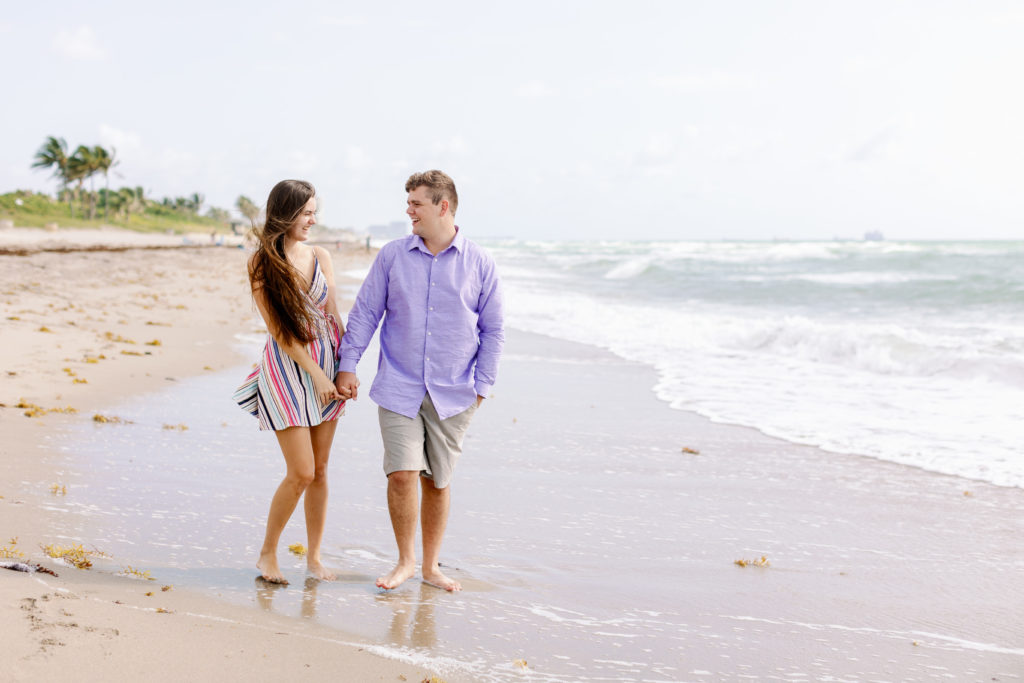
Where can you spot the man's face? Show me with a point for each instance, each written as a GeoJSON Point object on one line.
{"type": "Point", "coordinates": [425, 215]}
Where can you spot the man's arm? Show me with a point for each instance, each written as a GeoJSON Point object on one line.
{"type": "Point", "coordinates": [363, 319]}
{"type": "Point", "coordinates": [491, 325]}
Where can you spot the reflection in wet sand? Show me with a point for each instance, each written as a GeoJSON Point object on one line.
{"type": "Point", "coordinates": [412, 616]}
{"type": "Point", "coordinates": [541, 555]}
{"type": "Point", "coordinates": [309, 597]}
{"type": "Point", "coordinates": [265, 591]}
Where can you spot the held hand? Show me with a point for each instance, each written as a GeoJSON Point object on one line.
{"type": "Point", "coordinates": [347, 385]}
{"type": "Point", "coordinates": [479, 400]}
{"type": "Point", "coordinates": [325, 389]}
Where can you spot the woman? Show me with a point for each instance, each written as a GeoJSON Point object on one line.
{"type": "Point", "coordinates": [292, 389]}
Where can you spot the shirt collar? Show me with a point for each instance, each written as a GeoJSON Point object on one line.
{"type": "Point", "coordinates": [458, 243]}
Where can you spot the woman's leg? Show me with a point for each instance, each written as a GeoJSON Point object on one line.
{"type": "Point", "coordinates": [321, 437]}
{"type": "Point", "coordinates": [298, 457]}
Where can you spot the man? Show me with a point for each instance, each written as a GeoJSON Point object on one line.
{"type": "Point", "coordinates": [439, 347]}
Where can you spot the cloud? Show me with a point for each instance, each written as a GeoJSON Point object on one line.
{"type": "Point", "coordinates": [702, 82]}
{"type": "Point", "coordinates": [662, 149]}
{"type": "Point", "coordinates": [658, 150]}
{"type": "Point", "coordinates": [177, 160]}
{"type": "Point", "coordinates": [344, 22]}
{"type": "Point", "coordinates": [453, 147]}
{"type": "Point", "coordinates": [80, 43]}
{"type": "Point", "coordinates": [873, 147]}
{"type": "Point", "coordinates": [122, 140]}
{"type": "Point", "coordinates": [356, 158]}
{"type": "Point", "coordinates": [303, 163]}
{"type": "Point", "coordinates": [534, 89]}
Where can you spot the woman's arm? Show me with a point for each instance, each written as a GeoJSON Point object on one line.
{"type": "Point", "coordinates": [344, 389]}
{"type": "Point", "coordinates": [297, 351]}
{"type": "Point", "coordinates": [327, 267]}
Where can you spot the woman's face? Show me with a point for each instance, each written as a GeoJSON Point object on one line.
{"type": "Point", "coordinates": [305, 220]}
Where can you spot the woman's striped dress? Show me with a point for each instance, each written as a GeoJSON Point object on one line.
{"type": "Point", "coordinates": [279, 392]}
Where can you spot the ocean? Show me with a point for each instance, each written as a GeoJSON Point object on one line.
{"type": "Point", "coordinates": [911, 352]}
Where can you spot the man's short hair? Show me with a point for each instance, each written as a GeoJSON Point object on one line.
{"type": "Point", "coordinates": [439, 184]}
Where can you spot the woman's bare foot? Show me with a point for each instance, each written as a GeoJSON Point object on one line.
{"type": "Point", "coordinates": [438, 580]}
{"type": "Point", "coordinates": [396, 577]}
{"type": "Point", "coordinates": [321, 572]}
{"type": "Point", "coordinates": [271, 573]}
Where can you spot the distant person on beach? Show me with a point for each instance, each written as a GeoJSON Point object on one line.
{"type": "Point", "coordinates": [440, 342]}
{"type": "Point", "coordinates": [292, 390]}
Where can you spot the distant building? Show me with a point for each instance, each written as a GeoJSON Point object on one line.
{"type": "Point", "coordinates": [873, 236]}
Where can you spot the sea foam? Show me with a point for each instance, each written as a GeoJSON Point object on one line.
{"type": "Point", "coordinates": [908, 352]}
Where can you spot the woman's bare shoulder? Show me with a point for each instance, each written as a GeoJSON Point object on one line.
{"type": "Point", "coordinates": [322, 255]}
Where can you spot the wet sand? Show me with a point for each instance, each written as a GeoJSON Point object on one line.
{"type": "Point", "coordinates": [84, 328]}
{"type": "Point", "coordinates": [592, 542]}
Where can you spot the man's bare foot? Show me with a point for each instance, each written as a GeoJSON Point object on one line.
{"type": "Point", "coordinates": [271, 573]}
{"type": "Point", "coordinates": [438, 580]}
{"type": "Point", "coordinates": [397, 576]}
{"type": "Point", "coordinates": [319, 571]}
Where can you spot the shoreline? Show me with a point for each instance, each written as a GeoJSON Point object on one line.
{"type": "Point", "coordinates": [858, 549]}
{"type": "Point", "coordinates": [85, 329]}
{"type": "Point", "coordinates": [871, 561]}
{"type": "Point", "coordinates": [20, 241]}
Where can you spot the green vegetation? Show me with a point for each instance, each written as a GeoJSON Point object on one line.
{"type": "Point", "coordinates": [247, 207]}
{"type": "Point", "coordinates": [125, 209]}
{"type": "Point", "coordinates": [76, 205]}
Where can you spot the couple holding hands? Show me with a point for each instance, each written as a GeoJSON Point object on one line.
{"type": "Point", "coordinates": [442, 334]}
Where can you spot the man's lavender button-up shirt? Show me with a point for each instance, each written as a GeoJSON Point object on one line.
{"type": "Point", "coordinates": [443, 327]}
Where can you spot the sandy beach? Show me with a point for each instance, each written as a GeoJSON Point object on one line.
{"type": "Point", "coordinates": [599, 534]}
{"type": "Point", "coordinates": [83, 327]}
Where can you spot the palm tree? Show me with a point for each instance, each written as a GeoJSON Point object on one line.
{"type": "Point", "coordinates": [84, 165]}
{"type": "Point", "coordinates": [130, 201]}
{"type": "Point", "coordinates": [75, 174]}
{"type": "Point", "coordinates": [220, 215]}
{"type": "Point", "coordinates": [125, 199]}
{"type": "Point", "coordinates": [197, 200]}
{"type": "Point", "coordinates": [247, 208]}
{"type": "Point", "coordinates": [53, 154]}
{"type": "Point", "coordinates": [105, 161]}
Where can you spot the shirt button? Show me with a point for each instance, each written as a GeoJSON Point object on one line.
{"type": "Point", "coordinates": [431, 308]}
{"type": "Point", "coordinates": [428, 334]}
{"type": "Point", "coordinates": [432, 284]}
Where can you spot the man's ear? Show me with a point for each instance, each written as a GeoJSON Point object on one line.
{"type": "Point", "coordinates": [444, 206]}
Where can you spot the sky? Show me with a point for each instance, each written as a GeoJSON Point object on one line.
{"type": "Point", "coordinates": [561, 119]}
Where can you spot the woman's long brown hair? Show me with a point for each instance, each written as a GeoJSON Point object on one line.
{"type": "Point", "coordinates": [282, 285]}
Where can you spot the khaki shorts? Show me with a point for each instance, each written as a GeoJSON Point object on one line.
{"type": "Point", "coordinates": [425, 443]}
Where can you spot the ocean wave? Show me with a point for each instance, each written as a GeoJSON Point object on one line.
{"type": "Point", "coordinates": [908, 389]}
{"type": "Point", "coordinates": [883, 347]}
{"type": "Point", "coordinates": [871, 278]}
{"type": "Point", "coordinates": [577, 253]}
{"type": "Point", "coordinates": [847, 278]}
{"type": "Point", "coordinates": [628, 269]}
